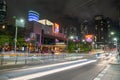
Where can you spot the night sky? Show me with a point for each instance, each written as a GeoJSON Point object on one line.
{"type": "Point", "coordinates": [67, 11]}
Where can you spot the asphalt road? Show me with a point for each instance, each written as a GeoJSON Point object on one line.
{"type": "Point", "coordinates": [86, 72]}
{"type": "Point", "coordinates": [85, 69]}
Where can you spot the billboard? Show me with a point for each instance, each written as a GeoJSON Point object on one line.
{"type": "Point", "coordinates": [89, 38]}
{"type": "Point", "coordinates": [56, 28]}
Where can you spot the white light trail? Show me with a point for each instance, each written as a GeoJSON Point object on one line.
{"type": "Point", "coordinates": [52, 65]}
{"type": "Point", "coordinates": [40, 74]}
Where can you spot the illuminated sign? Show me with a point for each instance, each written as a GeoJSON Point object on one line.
{"type": "Point", "coordinates": [89, 38]}
{"type": "Point", "coordinates": [45, 22]}
{"type": "Point", "coordinates": [33, 16]}
{"type": "Point", "coordinates": [32, 36]}
{"type": "Point", "coordinates": [56, 28]}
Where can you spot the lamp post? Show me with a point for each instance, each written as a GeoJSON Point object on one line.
{"type": "Point", "coordinates": [111, 39]}
{"type": "Point", "coordinates": [115, 39]}
{"type": "Point", "coordinates": [71, 37]}
{"type": "Point", "coordinates": [117, 50]}
{"type": "Point", "coordinates": [17, 22]}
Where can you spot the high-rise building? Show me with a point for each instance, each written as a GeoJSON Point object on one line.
{"type": "Point", "coordinates": [3, 8]}
{"type": "Point", "coordinates": [101, 29]}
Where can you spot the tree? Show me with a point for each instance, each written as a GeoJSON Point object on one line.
{"type": "Point", "coordinates": [4, 39]}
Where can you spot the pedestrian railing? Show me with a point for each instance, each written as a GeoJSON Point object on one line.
{"type": "Point", "coordinates": [29, 58]}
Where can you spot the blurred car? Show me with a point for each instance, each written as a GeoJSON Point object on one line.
{"type": "Point", "coordinates": [100, 55]}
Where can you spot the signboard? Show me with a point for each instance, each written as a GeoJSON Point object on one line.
{"type": "Point", "coordinates": [33, 36]}
{"type": "Point", "coordinates": [56, 28]}
{"type": "Point", "coordinates": [89, 38]}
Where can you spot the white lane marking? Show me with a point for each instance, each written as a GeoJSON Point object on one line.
{"type": "Point", "coordinates": [40, 74]}
{"type": "Point", "coordinates": [102, 73]}
{"type": "Point", "coordinates": [97, 79]}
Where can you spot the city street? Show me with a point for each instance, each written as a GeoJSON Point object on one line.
{"type": "Point", "coordinates": [59, 39]}
{"type": "Point", "coordinates": [83, 69]}
{"type": "Point", "coordinates": [86, 72]}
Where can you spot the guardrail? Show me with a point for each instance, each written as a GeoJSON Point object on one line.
{"type": "Point", "coordinates": [28, 58]}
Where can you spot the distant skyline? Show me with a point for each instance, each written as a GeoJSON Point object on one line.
{"type": "Point", "coordinates": [67, 11]}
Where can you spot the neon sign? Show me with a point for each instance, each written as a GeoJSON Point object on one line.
{"type": "Point", "coordinates": [56, 28]}
{"type": "Point", "coordinates": [89, 38]}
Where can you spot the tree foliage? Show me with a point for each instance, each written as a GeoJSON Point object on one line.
{"type": "Point", "coordinates": [72, 46]}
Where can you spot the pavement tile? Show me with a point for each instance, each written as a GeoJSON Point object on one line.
{"type": "Point", "coordinates": [113, 72]}
{"type": "Point", "coordinates": [116, 77]}
{"type": "Point", "coordinates": [107, 77]}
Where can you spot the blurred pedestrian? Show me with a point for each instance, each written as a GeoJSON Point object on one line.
{"type": "Point", "coordinates": [0, 48]}
{"type": "Point", "coordinates": [52, 52]}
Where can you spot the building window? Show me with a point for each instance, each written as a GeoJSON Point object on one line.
{"type": "Point", "coordinates": [101, 21]}
{"type": "Point", "coordinates": [108, 21]}
{"type": "Point", "coordinates": [101, 29]}
{"type": "Point", "coordinates": [108, 26]}
{"type": "Point", "coordinates": [101, 24]}
{"type": "Point", "coordinates": [96, 28]}
{"type": "Point", "coordinates": [102, 37]}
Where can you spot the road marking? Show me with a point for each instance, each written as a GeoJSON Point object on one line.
{"type": "Point", "coordinates": [40, 74]}
{"type": "Point", "coordinates": [97, 79]}
{"type": "Point", "coordinates": [102, 73]}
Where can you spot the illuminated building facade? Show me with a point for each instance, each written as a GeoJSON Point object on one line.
{"type": "Point", "coordinates": [102, 26]}
{"type": "Point", "coordinates": [45, 37]}
{"type": "Point", "coordinates": [3, 8]}
{"type": "Point", "coordinates": [33, 16]}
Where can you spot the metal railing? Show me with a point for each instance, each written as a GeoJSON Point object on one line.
{"type": "Point", "coordinates": [31, 58]}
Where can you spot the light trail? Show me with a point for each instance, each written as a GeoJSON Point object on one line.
{"type": "Point", "coordinates": [52, 65]}
{"type": "Point", "coordinates": [40, 74]}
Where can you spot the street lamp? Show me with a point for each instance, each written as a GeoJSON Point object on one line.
{"type": "Point", "coordinates": [16, 30]}
{"type": "Point", "coordinates": [115, 39]}
{"type": "Point", "coordinates": [3, 27]}
{"type": "Point", "coordinates": [83, 40]}
{"type": "Point", "coordinates": [71, 37]}
{"type": "Point", "coordinates": [112, 33]}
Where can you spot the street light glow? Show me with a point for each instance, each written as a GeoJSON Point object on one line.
{"type": "Point", "coordinates": [112, 33]}
{"type": "Point", "coordinates": [21, 20]}
{"type": "Point", "coordinates": [3, 27]}
{"type": "Point", "coordinates": [115, 39]}
{"type": "Point", "coordinates": [83, 40]}
{"type": "Point", "coordinates": [71, 37]}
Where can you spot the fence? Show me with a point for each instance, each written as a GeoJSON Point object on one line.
{"type": "Point", "coordinates": [29, 58]}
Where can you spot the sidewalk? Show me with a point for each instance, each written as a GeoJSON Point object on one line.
{"type": "Point", "coordinates": [111, 72]}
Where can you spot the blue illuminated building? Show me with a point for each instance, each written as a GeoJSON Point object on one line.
{"type": "Point", "coordinates": [33, 16]}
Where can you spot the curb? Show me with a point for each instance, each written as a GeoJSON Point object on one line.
{"type": "Point", "coordinates": [114, 63]}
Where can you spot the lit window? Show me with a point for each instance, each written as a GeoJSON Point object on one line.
{"type": "Point", "coordinates": [96, 28]}
{"type": "Point", "coordinates": [102, 37]}
{"type": "Point", "coordinates": [108, 26]}
{"type": "Point", "coordinates": [101, 21]}
{"type": "Point", "coordinates": [101, 29]}
{"type": "Point", "coordinates": [108, 21]}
